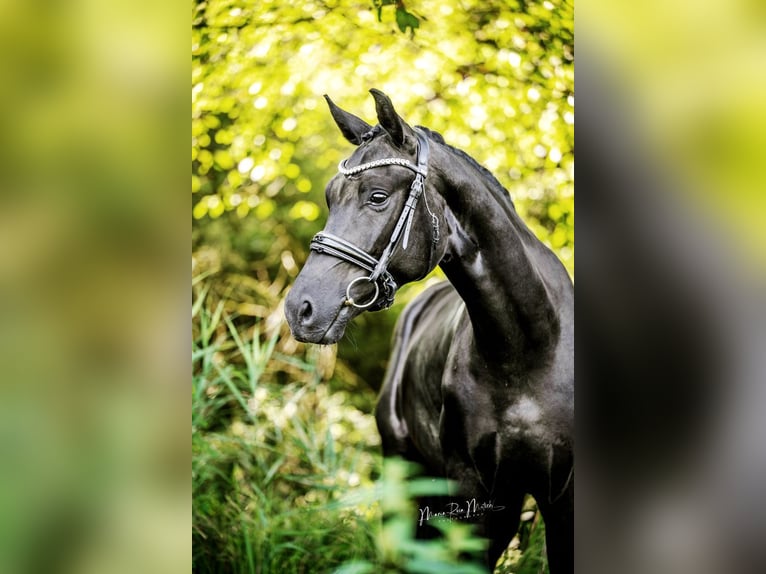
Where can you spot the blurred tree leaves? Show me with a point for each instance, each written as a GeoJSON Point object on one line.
{"type": "Point", "coordinates": [495, 78]}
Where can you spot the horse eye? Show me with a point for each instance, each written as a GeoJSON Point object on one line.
{"type": "Point", "coordinates": [378, 198]}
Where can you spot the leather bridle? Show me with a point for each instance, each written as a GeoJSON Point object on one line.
{"type": "Point", "coordinates": [380, 277]}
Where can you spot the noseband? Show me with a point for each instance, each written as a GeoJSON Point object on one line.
{"type": "Point", "coordinates": [380, 278]}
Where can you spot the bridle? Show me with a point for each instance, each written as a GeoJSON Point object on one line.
{"type": "Point", "coordinates": [380, 277]}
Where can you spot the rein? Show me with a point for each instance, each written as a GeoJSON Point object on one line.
{"type": "Point", "coordinates": [379, 277]}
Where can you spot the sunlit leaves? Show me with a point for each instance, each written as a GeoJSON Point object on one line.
{"type": "Point", "coordinates": [304, 209]}
{"type": "Point", "coordinates": [495, 78]}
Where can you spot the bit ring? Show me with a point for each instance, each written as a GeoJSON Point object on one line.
{"type": "Point", "coordinates": [350, 300]}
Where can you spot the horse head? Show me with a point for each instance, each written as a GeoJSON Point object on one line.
{"type": "Point", "coordinates": [382, 230]}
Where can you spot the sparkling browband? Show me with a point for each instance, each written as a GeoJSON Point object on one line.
{"type": "Point", "coordinates": [377, 163]}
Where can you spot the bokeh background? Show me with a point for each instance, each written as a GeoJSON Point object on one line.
{"type": "Point", "coordinates": [670, 291]}
{"type": "Point", "coordinates": [293, 432]}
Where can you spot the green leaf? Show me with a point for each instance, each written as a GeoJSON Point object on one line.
{"type": "Point", "coordinates": [406, 20]}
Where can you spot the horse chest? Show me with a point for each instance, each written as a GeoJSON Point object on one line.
{"type": "Point", "coordinates": [524, 433]}
{"type": "Point", "coordinates": [491, 409]}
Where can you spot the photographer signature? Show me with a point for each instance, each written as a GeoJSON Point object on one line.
{"type": "Point", "coordinates": [454, 511]}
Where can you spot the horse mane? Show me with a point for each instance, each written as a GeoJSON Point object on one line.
{"type": "Point", "coordinates": [495, 185]}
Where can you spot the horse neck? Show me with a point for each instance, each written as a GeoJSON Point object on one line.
{"type": "Point", "coordinates": [508, 279]}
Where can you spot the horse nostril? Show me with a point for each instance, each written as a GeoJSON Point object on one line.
{"type": "Point", "coordinates": [304, 313]}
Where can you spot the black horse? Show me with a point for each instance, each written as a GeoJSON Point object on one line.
{"type": "Point", "coordinates": [480, 386]}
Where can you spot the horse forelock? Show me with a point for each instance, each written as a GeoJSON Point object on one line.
{"type": "Point", "coordinates": [375, 145]}
{"type": "Point", "coordinates": [372, 133]}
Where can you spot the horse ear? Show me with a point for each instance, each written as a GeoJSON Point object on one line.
{"type": "Point", "coordinates": [350, 126]}
{"type": "Point", "coordinates": [388, 118]}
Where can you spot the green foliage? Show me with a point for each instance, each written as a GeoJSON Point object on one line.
{"type": "Point", "coordinates": [287, 477]}
{"type": "Point", "coordinates": [404, 19]}
{"type": "Point", "coordinates": [269, 459]}
{"type": "Point", "coordinates": [496, 78]}
{"type": "Point", "coordinates": [458, 551]}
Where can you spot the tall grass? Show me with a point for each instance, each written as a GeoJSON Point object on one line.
{"type": "Point", "coordinates": [287, 475]}
{"type": "Point", "coordinates": [269, 457]}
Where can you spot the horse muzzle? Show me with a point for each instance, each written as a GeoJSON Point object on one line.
{"type": "Point", "coordinates": [316, 317]}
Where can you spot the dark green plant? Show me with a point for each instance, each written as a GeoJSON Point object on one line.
{"type": "Point", "coordinates": [270, 459]}
{"type": "Point", "coordinates": [404, 19]}
{"type": "Point", "coordinates": [457, 551]}
{"type": "Point", "coordinates": [286, 475]}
